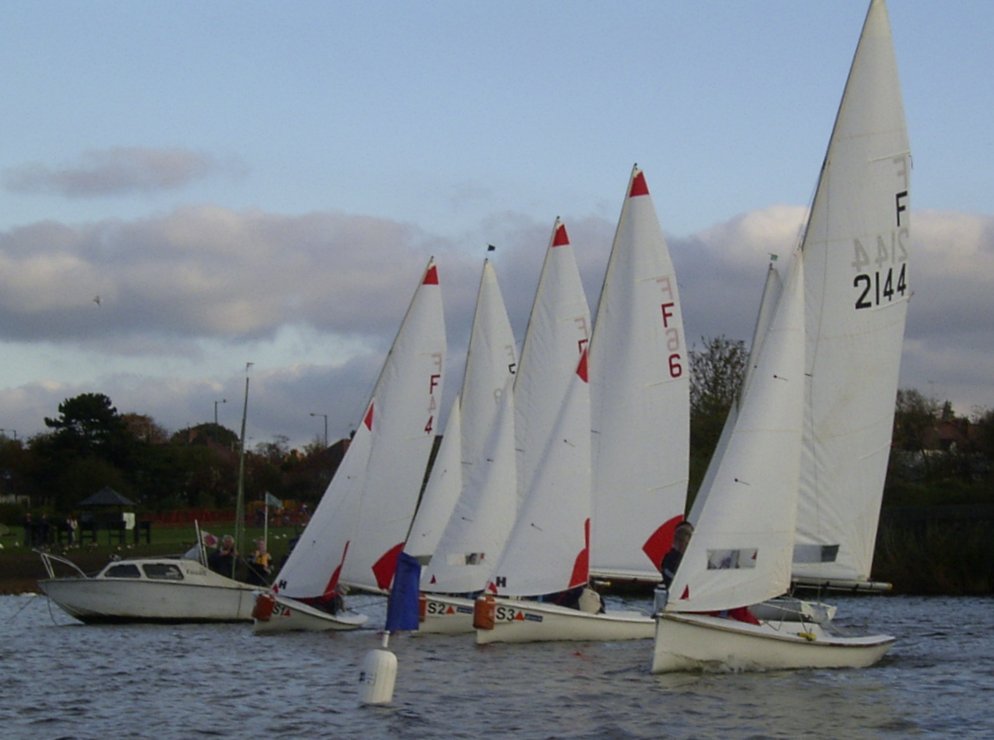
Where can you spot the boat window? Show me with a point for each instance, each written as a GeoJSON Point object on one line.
{"type": "Point", "coordinates": [122, 570]}
{"type": "Point", "coordinates": [816, 553]}
{"type": "Point", "coordinates": [731, 559]}
{"type": "Point", "coordinates": [163, 571]}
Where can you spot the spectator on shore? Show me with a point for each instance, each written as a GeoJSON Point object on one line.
{"type": "Point", "coordinates": [260, 570]}
{"type": "Point", "coordinates": [72, 530]}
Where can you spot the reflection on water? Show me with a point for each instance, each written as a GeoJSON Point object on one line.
{"type": "Point", "coordinates": [62, 679]}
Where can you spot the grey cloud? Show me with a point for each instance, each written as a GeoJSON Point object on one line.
{"type": "Point", "coordinates": [209, 275]}
{"type": "Point", "coordinates": [119, 171]}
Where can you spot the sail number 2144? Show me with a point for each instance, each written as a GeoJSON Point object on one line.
{"type": "Point", "coordinates": [889, 280]}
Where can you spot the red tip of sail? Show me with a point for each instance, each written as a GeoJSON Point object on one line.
{"type": "Point", "coordinates": [431, 277]}
{"type": "Point", "coordinates": [368, 421]}
{"type": "Point", "coordinates": [639, 186]}
{"type": "Point", "coordinates": [686, 593]}
{"type": "Point", "coordinates": [581, 368]}
{"type": "Point", "coordinates": [560, 238]}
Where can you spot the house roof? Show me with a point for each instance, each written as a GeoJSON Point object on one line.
{"type": "Point", "coordinates": [107, 496]}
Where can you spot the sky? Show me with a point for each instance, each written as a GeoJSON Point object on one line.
{"type": "Point", "coordinates": [261, 182]}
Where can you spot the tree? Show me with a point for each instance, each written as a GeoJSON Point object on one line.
{"type": "Point", "coordinates": [90, 425]}
{"type": "Point", "coordinates": [716, 374]}
{"type": "Point", "coordinates": [914, 419]}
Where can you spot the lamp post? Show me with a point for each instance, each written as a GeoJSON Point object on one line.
{"type": "Point", "coordinates": [223, 400]}
{"type": "Point", "coordinates": [325, 426]}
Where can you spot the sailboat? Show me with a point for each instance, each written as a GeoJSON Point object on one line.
{"type": "Point", "coordinates": [634, 495]}
{"type": "Point", "coordinates": [358, 528]}
{"type": "Point", "coordinates": [752, 524]}
{"type": "Point", "coordinates": [484, 510]}
{"type": "Point", "coordinates": [640, 399]}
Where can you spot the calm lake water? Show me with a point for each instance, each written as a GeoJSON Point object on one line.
{"type": "Point", "coordinates": [60, 679]}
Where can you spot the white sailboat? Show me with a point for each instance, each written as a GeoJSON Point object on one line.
{"type": "Point", "coordinates": [635, 494]}
{"type": "Point", "coordinates": [640, 407]}
{"type": "Point", "coordinates": [481, 516]}
{"type": "Point", "coordinates": [753, 524]}
{"type": "Point", "coordinates": [358, 528]}
{"type": "Point", "coordinates": [780, 607]}
{"type": "Point", "coordinates": [548, 551]}
{"type": "Point", "coordinates": [741, 549]}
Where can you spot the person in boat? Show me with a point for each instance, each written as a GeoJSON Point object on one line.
{"type": "Point", "coordinates": [671, 560]}
{"type": "Point", "coordinates": [222, 560]}
{"type": "Point", "coordinates": [581, 598]}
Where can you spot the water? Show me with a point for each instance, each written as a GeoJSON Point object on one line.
{"type": "Point", "coordinates": [60, 679]}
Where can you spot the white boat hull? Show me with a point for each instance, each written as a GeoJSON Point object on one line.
{"type": "Point", "coordinates": [289, 615]}
{"type": "Point", "coordinates": [202, 596]}
{"type": "Point", "coordinates": [446, 615]}
{"type": "Point", "coordinates": [533, 621]}
{"type": "Point", "coordinates": [693, 642]}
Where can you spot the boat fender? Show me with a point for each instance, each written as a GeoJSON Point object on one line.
{"type": "Point", "coordinates": [661, 595]}
{"type": "Point", "coordinates": [377, 677]}
{"type": "Point", "coordinates": [809, 636]}
{"type": "Point", "coordinates": [484, 612]}
{"type": "Point", "coordinates": [263, 609]}
{"type": "Point", "coordinates": [422, 607]}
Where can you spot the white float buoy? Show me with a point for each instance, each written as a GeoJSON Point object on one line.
{"type": "Point", "coordinates": [378, 675]}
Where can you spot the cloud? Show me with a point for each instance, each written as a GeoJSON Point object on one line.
{"type": "Point", "coordinates": [119, 171]}
{"type": "Point", "coordinates": [315, 300]}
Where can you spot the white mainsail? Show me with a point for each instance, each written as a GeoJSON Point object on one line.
{"type": "Point", "coordinates": [484, 509]}
{"type": "Point", "coordinates": [357, 530]}
{"type": "Point", "coordinates": [740, 551]}
{"type": "Point", "coordinates": [557, 334]}
{"type": "Point", "coordinates": [639, 389]}
{"type": "Point", "coordinates": [856, 249]}
{"type": "Point", "coordinates": [549, 548]}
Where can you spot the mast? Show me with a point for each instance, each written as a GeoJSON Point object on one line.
{"type": "Point", "coordinates": [240, 500]}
